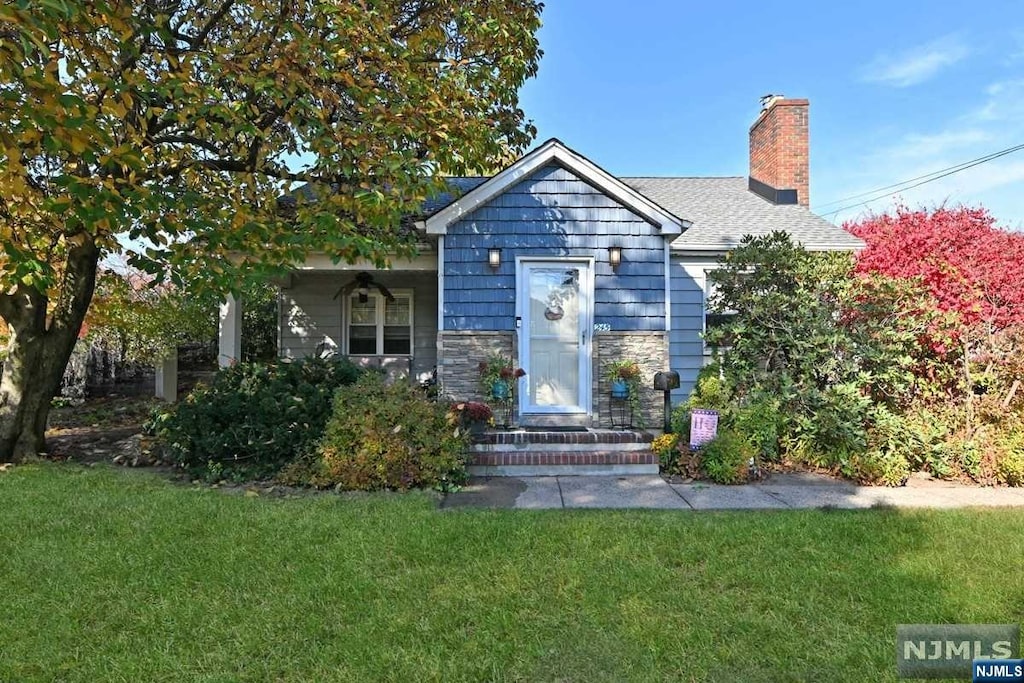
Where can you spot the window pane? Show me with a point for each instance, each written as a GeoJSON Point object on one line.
{"type": "Point", "coordinates": [397, 341]}
{"type": "Point", "coordinates": [362, 340]}
{"type": "Point", "coordinates": [397, 312]}
{"type": "Point", "coordinates": [717, 320]}
{"type": "Point", "coordinates": [364, 313]}
{"type": "Point", "coordinates": [713, 321]}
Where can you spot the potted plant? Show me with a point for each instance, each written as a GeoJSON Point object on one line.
{"type": "Point", "coordinates": [498, 377]}
{"type": "Point", "coordinates": [624, 376]}
{"type": "Point", "coordinates": [471, 416]}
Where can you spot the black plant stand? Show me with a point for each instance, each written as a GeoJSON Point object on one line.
{"type": "Point", "coordinates": [504, 412]}
{"type": "Point", "coordinates": [622, 413]}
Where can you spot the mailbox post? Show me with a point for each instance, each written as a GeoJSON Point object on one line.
{"type": "Point", "coordinates": [666, 382]}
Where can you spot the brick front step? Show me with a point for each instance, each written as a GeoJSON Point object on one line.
{"type": "Point", "coordinates": [508, 458]}
{"type": "Point", "coordinates": [591, 437]}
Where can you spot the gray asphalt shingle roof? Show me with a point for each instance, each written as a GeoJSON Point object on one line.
{"type": "Point", "coordinates": [722, 211]}
{"type": "Point", "coordinates": [460, 185]}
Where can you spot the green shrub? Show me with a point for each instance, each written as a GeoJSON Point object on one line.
{"type": "Point", "coordinates": [385, 436]}
{"type": "Point", "coordinates": [879, 467]}
{"type": "Point", "coordinates": [1011, 468]}
{"type": "Point", "coordinates": [760, 423]}
{"type": "Point", "coordinates": [711, 392]}
{"type": "Point", "coordinates": [253, 418]}
{"type": "Point", "coordinates": [893, 447]}
{"type": "Point", "coordinates": [1010, 458]}
{"type": "Point", "coordinates": [726, 459]}
{"type": "Point", "coordinates": [930, 445]}
{"type": "Point", "coordinates": [832, 423]}
{"type": "Point", "coordinates": [681, 421]}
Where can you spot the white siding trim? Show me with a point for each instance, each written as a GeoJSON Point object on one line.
{"type": "Point", "coordinates": [668, 287]}
{"type": "Point", "coordinates": [440, 283]}
{"type": "Point", "coordinates": [229, 335]}
{"type": "Point", "coordinates": [280, 323]}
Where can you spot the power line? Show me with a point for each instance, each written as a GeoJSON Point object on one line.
{"type": "Point", "coordinates": [926, 178]}
{"type": "Point", "coordinates": [910, 180]}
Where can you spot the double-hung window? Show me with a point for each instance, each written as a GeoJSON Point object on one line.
{"type": "Point", "coordinates": [712, 320]}
{"type": "Point", "coordinates": [378, 327]}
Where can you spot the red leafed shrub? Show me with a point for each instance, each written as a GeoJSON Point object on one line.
{"type": "Point", "coordinates": [969, 265]}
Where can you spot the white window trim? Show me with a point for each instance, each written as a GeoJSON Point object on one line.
{"type": "Point", "coordinates": [347, 317]}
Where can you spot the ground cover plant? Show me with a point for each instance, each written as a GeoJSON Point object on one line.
{"type": "Point", "coordinates": [114, 574]}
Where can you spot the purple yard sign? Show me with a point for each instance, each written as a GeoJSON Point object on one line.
{"type": "Point", "coordinates": [703, 427]}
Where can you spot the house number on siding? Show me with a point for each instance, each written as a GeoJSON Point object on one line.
{"type": "Point", "coordinates": [602, 327]}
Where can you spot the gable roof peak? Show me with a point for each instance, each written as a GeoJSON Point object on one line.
{"type": "Point", "coordinates": [554, 151]}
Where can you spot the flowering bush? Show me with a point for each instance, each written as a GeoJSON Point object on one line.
{"type": "Point", "coordinates": [470, 411]}
{"type": "Point", "coordinates": [666, 447]}
{"type": "Point", "coordinates": [664, 443]}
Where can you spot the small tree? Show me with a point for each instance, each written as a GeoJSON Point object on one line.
{"type": "Point", "coordinates": [973, 272]}
{"type": "Point", "coordinates": [146, 322]}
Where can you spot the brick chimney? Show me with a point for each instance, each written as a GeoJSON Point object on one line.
{"type": "Point", "coordinates": [779, 149]}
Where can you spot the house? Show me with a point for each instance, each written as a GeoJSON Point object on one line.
{"type": "Point", "coordinates": [561, 265]}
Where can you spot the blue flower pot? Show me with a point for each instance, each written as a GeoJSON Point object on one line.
{"type": "Point", "coordinates": [620, 388]}
{"type": "Point", "coordinates": [500, 390]}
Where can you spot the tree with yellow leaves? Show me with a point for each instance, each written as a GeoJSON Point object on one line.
{"type": "Point", "coordinates": [165, 132]}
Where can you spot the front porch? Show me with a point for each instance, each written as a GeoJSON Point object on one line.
{"type": "Point", "coordinates": [376, 318]}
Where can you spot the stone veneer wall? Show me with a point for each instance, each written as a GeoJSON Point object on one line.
{"type": "Point", "coordinates": [459, 354]}
{"type": "Point", "coordinates": [650, 350]}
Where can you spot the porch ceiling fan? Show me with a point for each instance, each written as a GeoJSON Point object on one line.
{"type": "Point", "coordinates": [362, 285]}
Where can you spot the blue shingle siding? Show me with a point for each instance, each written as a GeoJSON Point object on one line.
{"type": "Point", "coordinates": [553, 213]}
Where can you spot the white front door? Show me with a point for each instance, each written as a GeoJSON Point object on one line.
{"type": "Point", "coordinates": [554, 307]}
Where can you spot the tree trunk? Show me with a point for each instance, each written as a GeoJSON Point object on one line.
{"type": "Point", "coordinates": [968, 385]}
{"type": "Point", "coordinates": [38, 352]}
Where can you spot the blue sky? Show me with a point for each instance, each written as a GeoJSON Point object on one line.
{"type": "Point", "coordinates": [897, 90]}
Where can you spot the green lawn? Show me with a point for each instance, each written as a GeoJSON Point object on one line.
{"type": "Point", "coordinates": [111, 575]}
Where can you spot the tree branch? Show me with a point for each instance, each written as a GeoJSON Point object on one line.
{"type": "Point", "coordinates": [211, 23]}
{"type": "Point", "coordinates": [184, 139]}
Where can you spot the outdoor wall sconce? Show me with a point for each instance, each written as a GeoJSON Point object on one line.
{"type": "Point", "coordinates": [494, 257]}
{"type": "Point", "coordinates": [614, 256]}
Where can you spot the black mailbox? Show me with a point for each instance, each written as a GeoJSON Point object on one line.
{"type": "Point", "coordinates": [666, 381]}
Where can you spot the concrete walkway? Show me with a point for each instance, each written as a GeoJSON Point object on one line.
{"type": "Point", "coordinates": [781, 491]}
